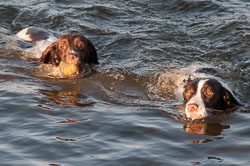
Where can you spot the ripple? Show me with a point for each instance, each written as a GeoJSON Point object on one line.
{"type": "Point", "coordinates": [72, 121]}
{"type": "Point", "coordinates": [195, 6]}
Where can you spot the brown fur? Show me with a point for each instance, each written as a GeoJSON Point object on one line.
{"type": "Point", "coordinates": [72, 49]}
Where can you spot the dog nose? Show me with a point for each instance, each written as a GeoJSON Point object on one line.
{"type": "Point", "coordinates": [72, 58]}
{"type": "Point", "coordinates": [193, 107]}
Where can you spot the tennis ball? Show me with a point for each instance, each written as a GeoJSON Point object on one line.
{"type": "Point", "coordinates": [68, 69]}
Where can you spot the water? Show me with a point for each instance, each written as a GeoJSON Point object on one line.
{"type": "Point", "coordinates": [125, 113]}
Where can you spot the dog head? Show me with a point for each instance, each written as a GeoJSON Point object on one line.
{"type": "Point", "coordinates": [208, 92]}
{"type": "Point", "coordinates": [71, 49]}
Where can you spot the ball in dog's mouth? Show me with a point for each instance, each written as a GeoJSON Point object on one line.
{"type": "Point", "coordinates": [68, 69]}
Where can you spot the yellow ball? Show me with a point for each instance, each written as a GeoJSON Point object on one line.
{"type": "Point", "coordinates": [68, 69]}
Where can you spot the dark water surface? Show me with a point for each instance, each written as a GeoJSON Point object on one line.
{"type": "Point", "coordinates": [119, 115]}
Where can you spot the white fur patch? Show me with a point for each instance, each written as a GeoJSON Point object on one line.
{"type": "Point", "coordinates": [197, 100]}
{"type": "Point", "coordinates": [23, 35]}
{"type": "Point", "coordinates": [36, 51]}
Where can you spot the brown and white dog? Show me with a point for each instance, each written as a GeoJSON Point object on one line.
{"type": "Point", "coordinates": [71, 48]}
{"type": "Point", "coordinates": [200, 93]}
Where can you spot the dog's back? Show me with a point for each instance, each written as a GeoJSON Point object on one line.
{"type": "Point", "coordinates": [34, 40]}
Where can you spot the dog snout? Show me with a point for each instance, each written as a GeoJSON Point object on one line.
{"type": "Point", "coordinates": [72, 58]}
{"type": "Point", "coordinates": [195, 110]}
{"type": "Point", "coordinates": [193, 107]}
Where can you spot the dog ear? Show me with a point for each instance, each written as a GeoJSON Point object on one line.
{"type": "Point", "coordinates": [50, 56]}
{"type": "Point", "coordinates": [92, 57]}
{"type": "Point", "coordinates": [228, 99]}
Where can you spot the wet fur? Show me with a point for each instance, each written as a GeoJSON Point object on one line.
{"type": "Point", "coordinates": [45, 48]}
{"type": "Point", "coordinates": [53, 55]}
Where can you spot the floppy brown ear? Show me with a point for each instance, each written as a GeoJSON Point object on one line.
{"type": "Point", "coordinates": [50, 56]}
{"type": "Point", "coordinates": [229, 99]}
{"type": "Point", "coordinates": [92, 57]}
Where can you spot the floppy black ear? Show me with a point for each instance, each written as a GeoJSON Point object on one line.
{"type": "Point", "coordinates": [92, 57]}
{"type": "Point", "coordinates": [50, 56]}
{"type": "Point", "coordinates": [229, 99]}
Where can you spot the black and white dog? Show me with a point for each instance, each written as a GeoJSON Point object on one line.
{"type": "Point", "coordinates": [198, 86]}
{"type": "Point", "coordinates": [200, 93]}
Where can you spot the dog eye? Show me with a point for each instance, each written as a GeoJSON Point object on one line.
{"type": "Point", "coordinates": [80, 45]}
{"type": "Point", "coordinates": [62, 47]}
{"type": "Point", "coordinates": [209, 93]}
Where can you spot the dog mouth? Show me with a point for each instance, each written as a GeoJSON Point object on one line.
{"type": "Point", "coordinates": [69, 69]}
{"type": "Point", "coordinates": [195, 111]}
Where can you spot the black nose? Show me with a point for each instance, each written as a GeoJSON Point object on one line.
{"type": "Point", "coordinates": [72, 56]}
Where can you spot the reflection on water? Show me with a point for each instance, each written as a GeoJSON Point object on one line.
{"type": "Point", "coordinates": [71, 139]}
{"type": "Point", "coordinates": [72, 121]}
{"type": "Point", "coordinates": [67, 96]}
{"type": "Point", "coordinates": [205, 128]}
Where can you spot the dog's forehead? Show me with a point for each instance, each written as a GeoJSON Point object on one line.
{"type": "Point", "coordinates": [206, 81]}
{"type": "Point", "coordinates": [72, 37]}
{"type": "Point", "coordinates": [213, 83]}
